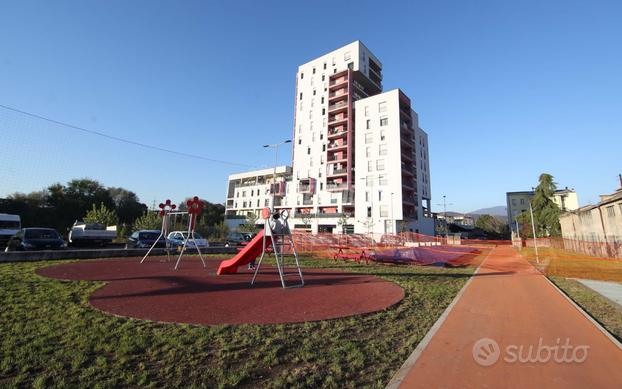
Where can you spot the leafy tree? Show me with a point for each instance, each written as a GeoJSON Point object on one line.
{"type": "Point", "coordinates": [149, 221]}
{"type": "Point", "coordinates": [306, 219]}
{"type": "Point", "coordinates": [545, 211]}
{"type": "Point", "coordinates": [126, 204]}
{"type": "Point", "coordinates": [249, 223]}
{"type": "Point", "coordinates": [493, 227]}
{"type": "Point", "coordinates": [343, 221]}
{"type": "Point", "coordinates": [101, 215]}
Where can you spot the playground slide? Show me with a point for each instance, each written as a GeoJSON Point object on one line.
{"type": "Point", "coordinates": [251, 251]}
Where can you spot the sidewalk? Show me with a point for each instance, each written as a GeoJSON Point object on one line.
{"type": "Point", "coordinates": [512, 304]}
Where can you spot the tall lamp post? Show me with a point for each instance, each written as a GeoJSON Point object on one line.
{"type": "Point", "coordinates": [276, 156]}
{"type": "Point", "coordinates": [445, 213]}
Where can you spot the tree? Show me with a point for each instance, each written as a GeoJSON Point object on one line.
{"type": "Point", "coordinates": [493, 227]}
{"type": "Point", "coordinates": [249, 223]}
{"type": "Point", "coordinates": [343, 221]}
{"type": "Point", "coordinates": [545, 211]}
{"type": "Point", "coordinates": [101, 215]}
{"type": "Point", "coordinates": [149, 221]}
{"type": "Point", "coordinates": [127, 205]}
{"type": "Point", "coordinates": [306, 219]}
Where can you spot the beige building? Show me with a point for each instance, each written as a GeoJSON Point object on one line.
{"type": "Point", "coordinates": [518, 202]}
{"type": "Point", "coordinates": [596, 223]}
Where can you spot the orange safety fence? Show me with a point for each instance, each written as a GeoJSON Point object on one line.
{"type": "Point", "coordinates": [405, 248]}
{"type": "Point", "coordinates": [595, 249]}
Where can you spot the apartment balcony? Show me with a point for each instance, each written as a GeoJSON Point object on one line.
{"type": "Point", "coordinates": [337, 134]}
{"type": "Point", "coordinates": [340, 157]}
{"type": "Point", "coordinates": [278, 189]}
{"type": "Point", "coordinates": [335, 187]}
{"type": "Point", "coordinates": [407, 157]}
{"type": "Point", "coordinates": [307, 201]}
{"type": "Point", "coordinates": [336, 172]}
{"type": "Point", "coordinates": [338, 82]}
{"type": "Point", "coordinates": [407, 184]}
{"type": "Point", "coordinates": [338, 94]}
{"type": "Point", "coordinates": [337, 119]}
{"type": "Point", "coordinates": [334, 146]}
{"type": "Point", "coordinates": [338, 107]}
{"type": "Point", "coordinates": [306, 185]}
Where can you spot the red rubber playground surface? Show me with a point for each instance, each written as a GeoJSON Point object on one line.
{"type": "Point", "coordinates": [195, 295]}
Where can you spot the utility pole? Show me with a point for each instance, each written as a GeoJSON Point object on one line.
{"type": "Point", "coordinates": [276, 158]}
{"type": "Point", "coordinates": [533, 229]}
{"type": "Point", "coordinates": [445, 213]}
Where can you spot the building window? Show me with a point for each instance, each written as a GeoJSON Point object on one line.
{"type": "Point", "coordinates": [382, 149]}
{"type": "Point", "coordinates": [382, 106]}
{"type": "Point", "coordinates": [314, 70]}
{"type": "Point", "coordinates": [379, 195]}
{"type": "Point", "coordinates": [302, 75]}
{"type": "Point", "coordinates": [514, 202]}
{"type": "Point", "coordinates": [368, 138]}
{"type": "Point", "coordinates": [322, 101]}
{"type": "Point", "coordinates": [252, 193]}
{"type": "Point", "coordinates": [368, 124]}
{"type": "Point", "coordinates": [323, 111]}
{"type": "Point", "coordinates": [324, 65]}
{"type": "Point", "coordinates": [266, 203]}
{"type": "Point", "coordinates": [257, 203]}
{"type": "Point", "coordinates": [323, 77]}
{"type": "Point", "coordinates": [382, 179]}
{"type": "Point", "coordinates": [366, 110]}
{"type": "Point", "coordinates": [369, 180]}
{"type": "Point", "coordinates": [244, 193]}
{"type": "Point", "coordinates": [522, 201]}
{"type": "Point", "coordinates": [382, 135]}
{"type": "Point", "coordinates": [384, 212]}
{"type": "Point", "coordinates": [308, 150]}
{"type": "Point", "coordinates": [321, 135]}
{"type": "Point", "coordinates": [346, 56]}
{"type": "Point", "coordinates": [244, 204]}
{"type": "Point", "coordinates": [384, 121]}
{"type": "Point", "coordinates": [368, 211]}
{"type": "Point", "coordinates": [380, 164]}
{"type": "Point", "coordinates": [299, 141]}
{"type": "Point", "coordinates": [300, 98]}
{"type": "Point", "coordinates": [368, 152]}
{"type": "Point", "coordinates": [370, 166]}
{"type": "Point", "coordinates": [324, 147]}
{"type": "Point", "coordinates": [321, 184]}
{"type": "Point", "coordinates": [366, 197]}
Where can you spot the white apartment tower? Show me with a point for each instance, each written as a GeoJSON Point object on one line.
{"type": "Point", "coordinates": [360, 161]}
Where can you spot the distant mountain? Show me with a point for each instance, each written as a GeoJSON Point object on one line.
{"type": "Point", "coordinates": [493, 211]}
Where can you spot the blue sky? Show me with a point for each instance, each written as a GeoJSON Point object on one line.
{"type": "Point", "coordinates": [505, 90]}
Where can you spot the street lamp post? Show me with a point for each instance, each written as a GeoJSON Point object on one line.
{"type": "Point", "coordinates": [445, 214]}
{"type": "Point", "coordinates": [276, 156]}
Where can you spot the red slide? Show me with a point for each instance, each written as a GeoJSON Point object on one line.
{"type": "Point", "coordinates": [251, 251]}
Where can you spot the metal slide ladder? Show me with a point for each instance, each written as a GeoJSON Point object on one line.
{"type": "Point", "coordinates": [284, 250]}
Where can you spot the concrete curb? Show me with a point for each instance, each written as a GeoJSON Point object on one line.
{"type": "Point", "coordinates": [399, 376]}
{"type": "Point", "coordinates": [98, 253]}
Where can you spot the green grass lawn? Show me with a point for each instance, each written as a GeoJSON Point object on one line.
{"type": "Point", "coordinates": [605, 311]}
{"type": "Point", "coordinates": [51, 337]}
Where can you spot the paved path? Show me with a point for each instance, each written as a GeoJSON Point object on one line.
{"type": "Point", "coordinates": [609, 289]}
{"type": "Point", "coordinates": [509, 302]}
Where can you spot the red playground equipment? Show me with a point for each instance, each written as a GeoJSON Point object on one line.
{"type": "Point", "coordinates": [276, 236]}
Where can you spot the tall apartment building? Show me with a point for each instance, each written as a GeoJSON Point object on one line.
{"type": "Point", "coordinates": [359, 156]}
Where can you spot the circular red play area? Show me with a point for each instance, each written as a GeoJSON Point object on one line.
{"type": "Point", "coordinates": [193, 294]}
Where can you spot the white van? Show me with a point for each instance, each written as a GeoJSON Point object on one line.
{"type": "Point", "coordinates": [9, 226]}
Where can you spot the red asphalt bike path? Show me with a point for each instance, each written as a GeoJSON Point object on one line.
{"type": "Point", "coordinates": [509, 302]}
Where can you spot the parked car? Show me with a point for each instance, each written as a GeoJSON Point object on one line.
{"type": "Point", "coordinates": [83, 234]}
{"type": "Point", "coordinates": [36, 239]}
{"type": "Point", "coordinates": [238, 239]}
{"type": "Point", "coordinates": [177, 238]}
{"type": "Point", "coordinates": [144, 239]}
{"type": "Point", "coordinates": [9, 226]}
